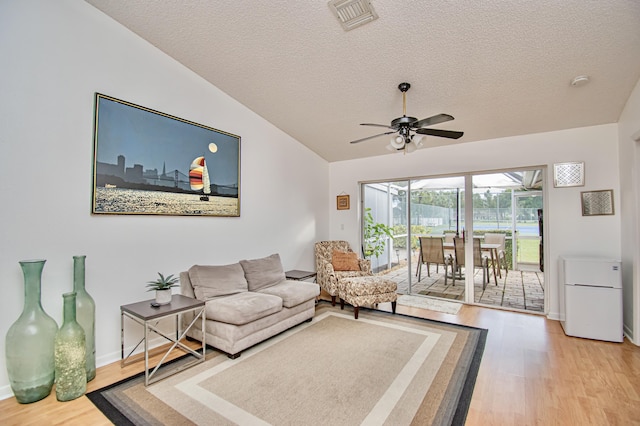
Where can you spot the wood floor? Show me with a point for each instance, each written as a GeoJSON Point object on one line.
{"type": "Point", "coordinates": [531, 374]}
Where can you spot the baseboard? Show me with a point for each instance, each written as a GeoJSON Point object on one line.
{"type": "Point", "coordinates": [554, 316]}
{"type": "Point", "coordinates": [629, 335]}
{"type": "Point", "coordinates": [6, 392]}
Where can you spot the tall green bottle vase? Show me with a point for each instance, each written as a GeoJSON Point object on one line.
{"type": "Point", "coordinates": [29, 343]}
{"type": "Point", "coordinates": [71, 375]}
{"type": "Point", "coordinates": [85, 314]}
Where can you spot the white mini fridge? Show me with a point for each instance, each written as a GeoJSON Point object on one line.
{"type": "Point", "coordinates": [591, 298]}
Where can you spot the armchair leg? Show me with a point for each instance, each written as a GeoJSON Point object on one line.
{"type": "Point", "coordinates": [333, 301]}
{"type": "Point", "coordinates": [393, 307]}
{"type": "Point", "coordinates": [356, 309]}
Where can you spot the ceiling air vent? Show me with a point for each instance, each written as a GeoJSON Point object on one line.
{"type": "Point", "coordinates": [353, 13]}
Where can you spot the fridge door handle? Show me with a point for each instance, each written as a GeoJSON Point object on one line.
{"type": "Point", "coordinates": [594, 286]}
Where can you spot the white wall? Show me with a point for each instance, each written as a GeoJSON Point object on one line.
{"type": "Point", "coordinates": [55, 56]}
{"type": "Point", "coordinates": [629, 125]}
{"type": "Point", "coordinates": [568, 232]}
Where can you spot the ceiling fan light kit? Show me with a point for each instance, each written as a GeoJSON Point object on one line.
{"type": "Point", "coordinates": [397, 142]}
{"type": "Point", "coordinates": [410, 130]}
{"type": "Point", "coordinates": [417, 140]}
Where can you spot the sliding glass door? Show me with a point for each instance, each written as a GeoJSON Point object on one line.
{"type": "Point", "coordinates": [505, 205]}
{"type": "Point", "coordinates": [383, 243]}
{"type": "Point", "coordinates": [411, 209]}
{"type": "Point", "coordinates": [437, 209]}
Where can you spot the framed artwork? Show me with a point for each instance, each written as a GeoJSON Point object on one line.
{"type": "Point", "coordinates": [568, 174]}
{"type": "Point", "coordinates": [343, 202]}
{"type": "Point", "coordinates": [151, 163]}
{"type": "Point", "coordinates": [596, 203]}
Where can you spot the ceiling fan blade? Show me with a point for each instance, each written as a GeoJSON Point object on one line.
{"type": "Point", "coordinates": [377, 125]}
{"type": "Point", "coordinates": [371, 137]}
{"type": "Point", "coordinates": [451, 134]}
{"type": "Point", "coordinates": [440, 118]}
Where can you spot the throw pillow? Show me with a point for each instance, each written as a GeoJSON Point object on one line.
{"type": "Point", "coordinates": [345, 261]}
{"type": "Point", "coordinates": [212, 280]}
{"type": "Point", "coordinates": [264, 272]}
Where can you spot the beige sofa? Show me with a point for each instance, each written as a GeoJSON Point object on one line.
{"type": "Point", "coordinates": [246, 302]}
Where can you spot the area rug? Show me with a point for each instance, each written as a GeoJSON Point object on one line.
{"type": "Point", "coordinates": [380, 369]}
{"type": "Point", "coordinates": [429, 303]}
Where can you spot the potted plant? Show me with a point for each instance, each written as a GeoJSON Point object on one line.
{"type": "Point", "coordinates": [162, 286]}
{"type": "Point", "coordinates": [375, 235]}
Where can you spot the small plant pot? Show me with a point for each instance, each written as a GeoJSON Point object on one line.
{"type": "Point", "coordinates": [163, 297]}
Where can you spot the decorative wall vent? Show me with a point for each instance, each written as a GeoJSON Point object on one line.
{"type": "Point", "coordinates": [568, 174]}
{"type": "Point", "coordinates": [353, 13]}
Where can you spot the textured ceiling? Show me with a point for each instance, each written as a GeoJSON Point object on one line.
{"type": "Point", "coordinates": [501, 68]}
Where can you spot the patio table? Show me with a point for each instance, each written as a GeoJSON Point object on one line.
{"type": "Point", "coordinates": [492, 248]}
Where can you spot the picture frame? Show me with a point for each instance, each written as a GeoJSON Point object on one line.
{"type": "Point", "coordinates": [597, 203]}
{"type": "Point", "coordinates": [343, 202]}
{"type": "Point", "coordinates": [146, 162]}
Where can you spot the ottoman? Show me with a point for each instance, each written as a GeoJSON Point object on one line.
{"type": "Point", "coordinates": [359, 291]}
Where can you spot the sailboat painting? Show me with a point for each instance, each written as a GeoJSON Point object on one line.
{"type": "Point", "coordinates": [149, 162]}
{"type": "Point", "coordinates": [199, 178]}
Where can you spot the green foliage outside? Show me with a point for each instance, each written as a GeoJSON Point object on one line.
{"type": "Point", "coordinates": [529, 251]}
{"type": "Point", "coordinates": [508, 244]}
{"type": "Point", "coordinates": [375, 235]}
{"type": "Point", "coordinates": [400, 242]}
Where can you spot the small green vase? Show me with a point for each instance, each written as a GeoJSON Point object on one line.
{"type": "Point", "coordinates": [29, 344]}
{"type": "Point", "coordinates": [85, 314]}
{"type": "Point", "coordinates": [71, 375]}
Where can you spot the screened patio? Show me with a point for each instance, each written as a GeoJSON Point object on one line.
{"type": "Point", "coordinates": [520, 290]}
{"type": "Point", "coordinates": [508, 202]}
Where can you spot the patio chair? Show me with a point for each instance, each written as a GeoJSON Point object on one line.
{"type": "Point", "coordinates": [449, 236]}
{"type": "Point", "coordinates": [479, 261]}
{"type": "Point", "coordinates": [448, 240]}
{"type": "Point", "coordinates": [498, 238]}
{"type": "Point", "coordinates": [351, 265]}
{"type": "Point", "coordinates": [432, 251]}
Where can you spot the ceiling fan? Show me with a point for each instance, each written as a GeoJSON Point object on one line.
{"type": "Point", "coordinates": [410, 129]}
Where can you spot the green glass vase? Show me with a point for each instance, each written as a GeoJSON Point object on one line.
{"type": "Point", "coordinates": [71, 375]}
{"type": "Point", "coordinates": [29, 344]}
{"type": "Point", "coordinates": [85, 314]}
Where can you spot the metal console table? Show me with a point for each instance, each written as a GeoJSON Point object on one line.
{"type": "Point", "coordinates": [149, 317]}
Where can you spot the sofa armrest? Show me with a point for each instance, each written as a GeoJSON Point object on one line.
{"type": "Point", "coordinates": [186, 288]}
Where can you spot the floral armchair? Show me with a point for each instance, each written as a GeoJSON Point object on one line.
{"type": "Point", "coordinates": [328, 276]}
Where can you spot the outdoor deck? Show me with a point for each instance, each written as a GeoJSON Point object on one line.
{"type": "Point", "coordinates": [523, 290]}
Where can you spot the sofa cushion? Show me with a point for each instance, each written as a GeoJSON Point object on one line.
{"type": "Point", "coordinates": [242, 308]}
{"type": "Point", "coordinates": [293, 293]}
{"type": "Point", "coordinates": [345, 261]}
{"type": "Point", "coordinates": [217, 280]}
{"type": "Point", "coordinates": [262, 273]}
